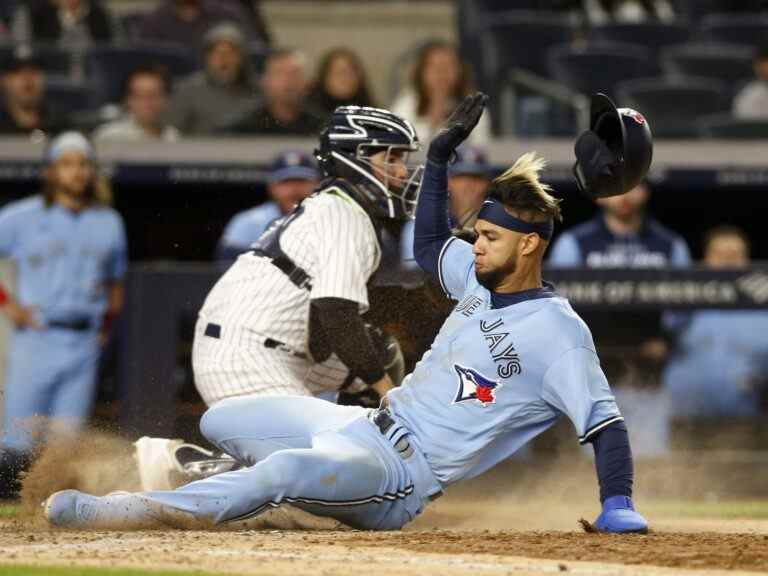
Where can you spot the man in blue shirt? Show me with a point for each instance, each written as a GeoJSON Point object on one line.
{"type": "Point", "coordinates": [509, 361]}
{"type": "Point", "coordinates": [292, 177]}
{"type": "Point", "coordinates": [70, 254]}
{"type": "Point", "coordinates": [621, 235]}
{"type": "Point", "coordinates": [718, 362]}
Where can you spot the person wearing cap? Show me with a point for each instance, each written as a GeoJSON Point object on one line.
{"type": "Point", "coordinates": [211, 98]}
{"type": "Point", "coordinates": [23, 108]}
{"type": "Point", "coordinates": [468, 179]}
{"type": "Point", "coordinates": [69, 250]}
{"type": "Point", "coordinates": [292, 177]}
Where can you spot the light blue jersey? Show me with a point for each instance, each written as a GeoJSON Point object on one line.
{"type": "Point", "coordinates": [64, 259]}
{"type": "Point", "coordinates": [64, 262]}
{"type": "Point", "coordinates": [487, 386]}
{"type": "Point", "coordinates": [245, 228]}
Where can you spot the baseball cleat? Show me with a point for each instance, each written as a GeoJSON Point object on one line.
{"type": "Point", "coordinates": [167, 464]}
{"type": "Point", "coordinates": [70, 509]}
{"type": "Point", "coordinates": [154, 458]}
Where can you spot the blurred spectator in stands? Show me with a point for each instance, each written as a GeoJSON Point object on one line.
{"type": "Point", "coordinates": [260, 27]}
{"type": "Point", "coordinates": [284, 110]}
{"type": "Point", "coordinates": [341, 80]}
{"type": "Point", "coordinates": [65, 22]}
{"type": "Point", "coordinates": [292, 177]}
{"type": "Point", "coordinates": [7, 12]}
{"type": "Point", "coordinates": [185, 22]}
{"type": "Point", "coordinates": [621, 235]}
{"type": "Point", "coordinates": [468, 179]}
{"type": "Point", "coordinates": [145, 99]}
{"type": "Point", "coordinates": [439, 82]}
{"type": "Point", "coordinates": [718, 359]}
{"type": "Point", "coordinates": [211, 98]}
{"type": "Point", "coordinates": [604, 11]}
{"type": "Point", "coordinates": [23, 109]}
{"type": "Point", "coordinates": [69, 248]}
{"type": "Point", "coordinates": [752, 101]}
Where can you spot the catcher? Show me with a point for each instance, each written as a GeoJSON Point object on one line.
{"type": "Point", "coordinates": [284, 320]}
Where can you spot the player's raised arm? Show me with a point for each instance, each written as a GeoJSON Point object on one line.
{"type": "Point", "coordinates": [432, 228]}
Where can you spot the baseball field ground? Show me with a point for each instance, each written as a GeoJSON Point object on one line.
{"type": "Point", "coordinates": [519, 519]}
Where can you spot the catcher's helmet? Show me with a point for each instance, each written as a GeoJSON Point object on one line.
{"type": "Point", "coordinates": [614, 155]}
{"type": "Point", "coordinates": [352, 136]}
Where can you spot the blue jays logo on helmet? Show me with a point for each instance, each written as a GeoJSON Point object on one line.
{"type": "Point", "coordinates": [352, 136]}
{"type": "Point", "coordinates": [475, 386]}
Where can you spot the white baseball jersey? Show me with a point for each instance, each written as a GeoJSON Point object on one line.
{"type": "Point", "coordinates": [334, 241]}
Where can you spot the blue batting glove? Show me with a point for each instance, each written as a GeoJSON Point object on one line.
{"type": "Point", "coordinates": [619, 517]}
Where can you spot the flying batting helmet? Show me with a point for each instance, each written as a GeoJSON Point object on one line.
{"type": "Point", "coordinates": [614, 155]}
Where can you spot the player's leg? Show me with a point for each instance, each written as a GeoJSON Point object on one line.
{"type": "Point", "coordinates": [75, 391]}
{"type": "Point", "coordinates": [252, 428]}
{"type": "Point", "coordinates": [341, 477]}
{"type": "Point", "coordinates": [29, 379]}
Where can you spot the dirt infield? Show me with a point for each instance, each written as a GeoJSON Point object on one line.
{"type": "Point", "coordinates": [412, 552]}
{"type": "Point", "coordinates": [457, 536]}
{"type": "Point", "coordinates": [518, 520]}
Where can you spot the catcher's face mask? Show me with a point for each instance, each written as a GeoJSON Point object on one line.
{"type": "Point", "coordinates": [400, 178]}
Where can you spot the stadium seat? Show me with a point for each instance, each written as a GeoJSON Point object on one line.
{"type": "Point", "coordinates": [110, 65]}
{"type": "Point", "coordinates": [520, 39]}
{"type": "Point", "coordinates": [598, 68]}
{"type": "Point", "coordinates": [749, 29]}
{"type": "Point", "coordinates": [67, 96]}
{"type": "Point", "coordinates": [672, 106]}
{"type": "Point", "coordinates": [651, 35]}
{"type": "Point", "coordinates": [726, 126]}
{"type": "Point", "coordinates": [727, 62]}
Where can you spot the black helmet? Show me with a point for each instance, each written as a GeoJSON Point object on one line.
{"type": "Point", "coordinates": [614, 155]}
{"type": "Point", "coordinates": [352, 136]}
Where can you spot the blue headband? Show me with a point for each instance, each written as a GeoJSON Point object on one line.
{"type": "Point", "coordinates": [494, 213]}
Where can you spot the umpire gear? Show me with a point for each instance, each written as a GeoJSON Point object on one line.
{"type": "Point", "coordinates": [614, 155]}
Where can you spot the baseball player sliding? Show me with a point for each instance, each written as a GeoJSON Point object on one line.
{"type": "Point", "coordinates": [510, 359]}
{"type": "Point", "coordinates": [285, 317]}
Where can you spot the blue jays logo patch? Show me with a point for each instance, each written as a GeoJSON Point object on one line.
{"type": "Point", "coordinates": [475, 386]}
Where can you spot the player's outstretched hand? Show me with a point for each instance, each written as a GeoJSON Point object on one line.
{"type": "Point", "coordinates": [619, 517]}
{"type": "Point", "coordinates": [456, 129]}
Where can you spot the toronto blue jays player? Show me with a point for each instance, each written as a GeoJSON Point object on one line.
{"type": "Point", "coordinates": [509, 361]}
{"type": "Point", "coordinates": [70, 254]}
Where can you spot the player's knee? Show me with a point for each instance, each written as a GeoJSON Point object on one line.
{"type": "Point", "coordinates": [215, 423]}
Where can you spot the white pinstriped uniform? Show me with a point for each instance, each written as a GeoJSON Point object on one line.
{"type": "Point", "coordinates": [334, 241]}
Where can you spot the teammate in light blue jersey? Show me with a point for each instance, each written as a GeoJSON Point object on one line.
{"type": "Point", "coordinates": [69, 249]}
{"type": "Point", "coordinates": [511, 358]}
